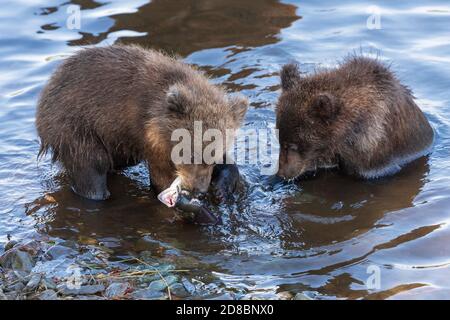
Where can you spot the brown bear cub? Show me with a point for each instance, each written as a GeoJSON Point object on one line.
{"type": "Point", "coordinates": [108, 108]}
{"type": "Point", "coordinates": [357, 117]}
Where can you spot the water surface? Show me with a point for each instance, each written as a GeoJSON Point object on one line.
{"type": "Point", "coordinates": [324, 235]}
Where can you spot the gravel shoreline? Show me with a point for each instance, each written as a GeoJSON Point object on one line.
{"type": "Point", "coordinates": [42, 269]}
{"type": "Point", "coordinates": [45, 270]}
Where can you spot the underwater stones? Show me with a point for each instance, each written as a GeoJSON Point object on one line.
{"type": "Point", "coordinates": [34, 282]}
{"type": "Point", "coordinates": [81, 290]}
{"type": "Point", "coordinates": [189, 286]}
{"type": "Point", "coordinates": [302, 296]}
{"type": "Point", "coordinates": [17, 260]}
{"type": "Point", "coordinates": [117, 289]}
{"type": "Point", "coordinates": [48, 295]}
{"type": "Point", "coordinates": [147, 294]}
{"type": "Point", "coordinates": [2, 295]}
{"type": "Point", "coordinates": [58, 251]}
{"type": "Point", "coordinates": [10, 245]}
{"type": "Point", "coordinates": [178, 289]}
{"type": "Point", "coordinates": [159, 285]}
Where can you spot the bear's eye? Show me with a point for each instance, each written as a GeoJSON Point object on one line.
{"type": "Point", "coordinates": [292, 147]}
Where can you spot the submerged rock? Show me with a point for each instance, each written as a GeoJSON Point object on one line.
{"type": "Point", "coordinates": [147, 294]}
{"type": "Point", "coordinates": [165, 268]}
{"type": "Point", "coordinates": [285, 295]}
{"type": "Point", "coordinates": [15, 287]}
{"type": "Point", "coordinates": [48, 283]}
{"type": "Point", "coordinates": [148, 257]}
{"type": "Point", "coordinates": [34, 282]}
{"type": "Point", "coordinates": [48, 295]}
{"type": "Point", "coordinates": [17, 260]}
{"type": "Point", "coordinates": [190, 287]}
{"type": "Point", "coordinates": [160, 285]}
{"type": "Point", "coordinates": [58, 251]}
{"type": "Point", "coordinates": [2, 295]}
{"type": "Point", "coordinates": [10, 245]}
{"type": "Point", "coordinates": [89, 298]}
{"type": "Point", "coordinates": [177, 289]}
{"type": "Point", "coordinates": [302, 296]}
{"type": "Point", "coordinates": [117, 289]}
{"type": "Point", "coordinates": [82, 290]}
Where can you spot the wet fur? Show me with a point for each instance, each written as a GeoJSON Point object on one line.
{"type": "Point", "coordinates": [111, 107]}
{"type": "Point", "coordinates": [357, 116]}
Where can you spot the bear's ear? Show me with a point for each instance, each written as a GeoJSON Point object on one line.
{"type": "Point", "coordinates": [239, 107]}
{"type": "Point", "coordinates": [177, 100]}
{"type": "Point", "coordinates": [290, 75]}
{"type": "Point", "coordinates": [325, 107]}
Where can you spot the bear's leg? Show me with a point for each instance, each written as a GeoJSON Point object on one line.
{"type": "Point", "coordinates": [89, 183]}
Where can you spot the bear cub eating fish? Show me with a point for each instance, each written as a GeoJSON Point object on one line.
{"type": "Point", "coordinates": [357, 117]}
{"type": "Point", "coordinates": [108, 108]}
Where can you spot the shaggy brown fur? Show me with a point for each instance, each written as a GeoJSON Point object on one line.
{"type": "Point", "coordinates": [112, 107]}
{"type": "Point", "coordinates": [357, 117]}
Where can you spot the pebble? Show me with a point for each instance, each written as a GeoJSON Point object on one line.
{"type": "Point", "coordinates": [148, 257]}
{"type": "Point", "coordinates": [34, 282]}
{"type": "Point", "coordinates": [187, 262]}
{"type": "Point", "coordinates": [2, 295]}
{"type": "Point", "coordinates": [48, 283]}
{"type": "Point", "coordinates": [146, 279]}
{"type": "Point", "coordinates": [165, 268]}
{"type": "Point", "coordinates": [48, 295]}
{"type": "Point", "coordinates": [301, 296]}
{"type": "Point", "coordinates": [160, 285]}
{"type": "Point", "coordinates": [32, 247]}
{"type": "Point", "coordinates": [285, 295]}
{"type": "Point", "coordinates": [10, 245]}
{"type": "Point", "coordinates": [12, 296]}
{"type": "Point", "coordinates": [58, 251]}
{"type": "Point", "coordinates": [147, 294]}
{"type": "Point", "coordinates": [177, 289]}
{"type": "Point", "coordinates": [17, 260]}
{"type": "Point", "coordinates": [83, 290]}
{"type": "Point", "coordinates": [89, 298]}
{"type": "Point", "coordinates": [16, 287]}
{"type": "Point", "coordinates": [117, 289]}
{"type": "Point", "coordinates": [188, 285]}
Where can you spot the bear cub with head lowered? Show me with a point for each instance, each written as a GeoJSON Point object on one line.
{"type": "Point", "coordinates": [357, 117]}
{"type": "Point", "coordinates": [112, 107]}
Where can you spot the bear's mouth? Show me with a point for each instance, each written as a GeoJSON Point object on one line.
{"type": "Point", "coordinates": [175, 197]}
{"type": "Point", "coordinates": [169, 196]}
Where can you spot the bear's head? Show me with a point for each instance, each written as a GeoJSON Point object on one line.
{"type": "Point", "coordinates": [195, 131]}
{"type": "Point", "coordinates": [307, 117]}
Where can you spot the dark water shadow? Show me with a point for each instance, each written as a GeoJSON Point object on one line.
{"type": "Point", "coordinates": [333, 208]}
{"type": "Point", "coordinates": [131, 213]}
{"type": "Point", "coordinates": [186, 26]}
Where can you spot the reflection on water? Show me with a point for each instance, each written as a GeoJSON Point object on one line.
{"type": "Point", "coordinates": [320, 235]}
{"type": "Point", "coordinates": [335, 208]}
{"type": "Point", "coordinates": [186, 26]}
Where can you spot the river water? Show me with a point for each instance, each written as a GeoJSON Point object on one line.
{"type": "Point", "coordinates": [330, 236]}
